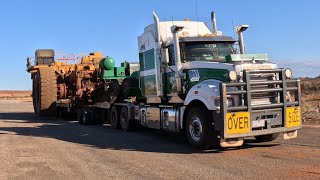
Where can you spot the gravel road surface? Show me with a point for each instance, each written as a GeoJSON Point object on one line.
{"type": "Point", "coordinates": [42, 148]}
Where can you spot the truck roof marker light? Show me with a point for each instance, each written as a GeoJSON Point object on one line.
{"type": "Point", "coordinates": [219, 33]}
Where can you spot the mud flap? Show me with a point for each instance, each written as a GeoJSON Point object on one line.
{"type": "Point", "coordinates": [290, 134]}
{"type": "Point", "coordinates": [234, 142]}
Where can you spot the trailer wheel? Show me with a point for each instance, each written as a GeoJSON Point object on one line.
{"type": "Point", "coordinates": [125, 122]}
{"type": "Point", "coordinates": [114, 118]}
{"type": "Point", "coordinates": [88, 116]}
{"type": "Point", "coordinates": [267, 138]}
{"type": "Point", "coordinates": [45, 92]}
{"type": "Point", "coordinates": [85, 117]}
{"type": "Point", "coordinates": [79, 116]}
{"type": "Point", "coordinates": [199, 129]}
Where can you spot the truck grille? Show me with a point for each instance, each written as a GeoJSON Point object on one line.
{"type": "Point", "coordinates": [263, 89]}
{"type": "Point", "coordinates": [263, 97]}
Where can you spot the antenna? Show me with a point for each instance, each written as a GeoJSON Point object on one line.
{"type": "Point", "coordinates": [233, 28]}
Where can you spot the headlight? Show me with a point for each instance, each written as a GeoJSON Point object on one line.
{"type": "Point", "coordinates": [288, 73]}
{"type": "Point", "coordinates": [232, 75]}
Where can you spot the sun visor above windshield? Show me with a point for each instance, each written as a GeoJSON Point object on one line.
{"type": "Point", "coordinates": [247, 57]}
{"type": "Point", "coordinates": [207, 39]}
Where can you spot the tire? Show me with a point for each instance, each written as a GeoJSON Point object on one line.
{"type": "Point", "coordinates": [99, 116]}
{"type": "Point", "coordinates": [267, 138]}
{"type": "Point", "coordinates": [114, 118]}
{"type": "Point", "coordinates": [79, 116]}
{"type": "Point", "coordinates": [130, 87]}
{"type": "Point", "coordinates": [85, 117]}
{"type": "Point", "coordinates": [125, 123]}
{"type": "Point", "coordinates": [199, 129]}
{"type": "Point", "coordinates": [45, 92]}
{"type": "Point", "coordinates": [88, 117]}
{"type": "Point", "coordinates": [105, 117]}
{"type": "Point", "coordinates": [34, 91]}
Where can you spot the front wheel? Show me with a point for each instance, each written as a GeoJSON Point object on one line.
{"type": "Point", "coordinates": [199, 128]}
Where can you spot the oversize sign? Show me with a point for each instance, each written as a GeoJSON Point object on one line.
{"type": "Point", "coordinates": [237, 123]}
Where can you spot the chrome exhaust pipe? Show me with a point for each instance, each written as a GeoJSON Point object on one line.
{"type": "Point", "coordinates": [214, 23]}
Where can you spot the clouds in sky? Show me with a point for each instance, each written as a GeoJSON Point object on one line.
{"type": "Point", "coordinates": [302, 68]}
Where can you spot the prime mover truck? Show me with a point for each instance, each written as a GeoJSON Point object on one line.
{"type": "Point", "coordinates": [189, 79]}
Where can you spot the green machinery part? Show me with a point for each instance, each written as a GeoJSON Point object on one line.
{"type": "Point", "coordinates": [109, 71]}
{"type": "Point", "coordinates": [107, 63]}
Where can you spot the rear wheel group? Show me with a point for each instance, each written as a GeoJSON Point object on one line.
{"type": "Point", "coordinates": [120, 119]}
{"type": "Point", "coordinates": [118, 116]}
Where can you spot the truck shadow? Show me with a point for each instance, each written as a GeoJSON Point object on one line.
{"type": "Point", "coordinates": [104, 137]}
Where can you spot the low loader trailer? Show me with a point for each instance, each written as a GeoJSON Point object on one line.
{"type": "Point", "coordinates": [188, 79]}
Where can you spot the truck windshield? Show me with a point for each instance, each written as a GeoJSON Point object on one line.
{"type": "Point", "coordinates": [206, 51]}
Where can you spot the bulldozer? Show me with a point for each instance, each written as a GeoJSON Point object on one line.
{"type": "Point", "coordinates": [73, 80]}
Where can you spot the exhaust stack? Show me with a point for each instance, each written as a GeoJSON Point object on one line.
{"type": "Point", "coordinates": [240, 30]}
{"type": "Point", "coordinates": [214, 23]}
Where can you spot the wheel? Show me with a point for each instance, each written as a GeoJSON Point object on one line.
{"type": "Point", "coordinates": [125, 122]}
{"type": "Point", "coordinates": [34, 95]}
{"type": "Point", "coordinates": [99, 116]}
{"type": "Point", "coordinates": [130, 87]}
{"type": "Point", "coordinates": [45, 92]}
{"type": "Point", "coordinates": [88, 117]}
{"type": "Point", "coordinates": [105, 118]}
{"type": "Point", "coordinates": [85, 117]}
{"type": "Point", "coordinates": [79, 116]}
{"type": "Point", "coordinates": [199, 129]}
{"type": "Point", "coordinates": [114, 118]}
{"type": "Point", "coordinates": [267, 138]}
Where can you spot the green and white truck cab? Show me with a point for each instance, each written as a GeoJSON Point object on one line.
{"type": "Point", "coordinates": [193, 80]}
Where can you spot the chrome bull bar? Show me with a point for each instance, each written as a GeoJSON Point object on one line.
{"type": "Point", "coordinates": [281, 86]}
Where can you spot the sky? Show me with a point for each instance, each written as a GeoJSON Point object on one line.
{"type": "Point", "coordinates": [287, 30]}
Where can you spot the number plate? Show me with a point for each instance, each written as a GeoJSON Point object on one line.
{"type": "Point", "coordinates": [259, 123]}
{"type": "Point", "coordinates": [293, 117]}
{"type": "Point", "coordinates": [238, 123]}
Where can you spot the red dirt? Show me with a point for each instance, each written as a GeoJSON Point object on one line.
{"type": "Point", "coordinates": [7, 94]}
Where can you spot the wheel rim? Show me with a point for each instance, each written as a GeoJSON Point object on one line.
{"type": "Point", "coordinates": [195, 129]}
